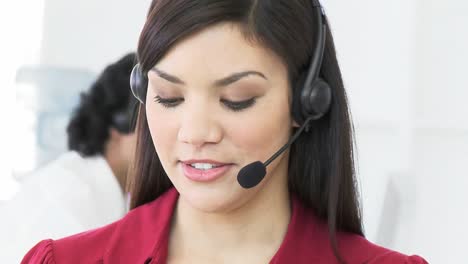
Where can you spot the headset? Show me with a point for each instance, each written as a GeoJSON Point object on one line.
{"type": "Point", "coordinates": [124, 120]}
{"type": "Point", "coordinates": [312, 98]}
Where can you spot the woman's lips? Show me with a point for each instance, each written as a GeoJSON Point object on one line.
{"type": "Point", "coordinates": [200, 175]}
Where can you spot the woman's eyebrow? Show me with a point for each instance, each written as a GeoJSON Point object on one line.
{"type": "Point", "coordinates": [237, 76]}
{"type": "Point", "coordinates": [218, 83]}
{"type": "Point", "coordinates": [168, 77]}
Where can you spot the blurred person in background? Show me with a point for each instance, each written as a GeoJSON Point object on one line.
{"type": "Point", "coordinates": [83, 188]}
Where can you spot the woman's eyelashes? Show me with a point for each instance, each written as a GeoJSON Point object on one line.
{"type": "Point", "coordinates": [238, 105]}
{"type": "Point", "coordinates": [168, 102]}
{"type": "Point", "coordinates": [231, 105]}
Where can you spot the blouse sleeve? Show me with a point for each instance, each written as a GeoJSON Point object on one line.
{"type": "Point", "coordinates": [397, 258]}
{"type": "Point", "coordinates": [41, 253]}
{"type": "Point", "coordinates": [415, 260]}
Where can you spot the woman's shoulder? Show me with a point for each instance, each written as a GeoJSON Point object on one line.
{"type": "Point", "coordinates": [357, 249]}
{"type": "Point", "coordinates": [85, 247]}
{"type": "Point", "coordinates": [131, 238]}
{"type": "Point", "coordinates": [314, 233]}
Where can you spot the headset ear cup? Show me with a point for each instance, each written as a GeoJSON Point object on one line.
{"type": "Point", "coordinates": [316, 99]}
{"type": "Point", "coordinates": [138, 84]}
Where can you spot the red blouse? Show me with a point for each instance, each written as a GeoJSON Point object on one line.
{"type": "Point", "coordinates": [142, 237]}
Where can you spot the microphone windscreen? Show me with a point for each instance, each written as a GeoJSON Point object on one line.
{"type": "Point", "coordinates": [251, 175]}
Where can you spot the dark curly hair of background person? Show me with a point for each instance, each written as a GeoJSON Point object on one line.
{"type": "Point", "coordinates": [108, 99]}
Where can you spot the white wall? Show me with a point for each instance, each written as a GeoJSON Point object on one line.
{"type": "Point", "coordinates": [84, 35]}
{"type": "Point", "coordinates": [404, 66]}
{"type": "Point", "coordinates": [20, 25]}
{"type": "Point", "coordinates": [90, 34]}
{"type": "Point", "coordinates": [440, 145]}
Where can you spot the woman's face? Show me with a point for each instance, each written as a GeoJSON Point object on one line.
{"type": "Point", "coordinates": [215, 103]}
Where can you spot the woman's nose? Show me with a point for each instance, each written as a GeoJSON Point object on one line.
{"type": "Point", "coordinates": [198, 127]}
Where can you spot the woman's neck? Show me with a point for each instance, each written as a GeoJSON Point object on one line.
{"type": "Point", "coordinates": [255, 229]}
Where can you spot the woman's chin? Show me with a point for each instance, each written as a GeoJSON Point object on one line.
{"type": "Point", "coordinates": [212, 200]}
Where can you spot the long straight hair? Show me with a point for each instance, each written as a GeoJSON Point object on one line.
{"type": "Point", "coordinates": [321, 163]}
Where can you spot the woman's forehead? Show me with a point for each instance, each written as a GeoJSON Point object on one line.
{"type": "Point", "coordinates": [219, 50]}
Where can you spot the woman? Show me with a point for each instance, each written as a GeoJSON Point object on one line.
{"type": "Point", "coordinates": [224, 84]}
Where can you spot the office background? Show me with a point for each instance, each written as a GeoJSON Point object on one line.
{"type": "Point", "coordinates": [404, 65]}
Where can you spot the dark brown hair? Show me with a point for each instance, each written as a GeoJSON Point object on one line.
{"type": "Point", "coordinates": [321, 163]}
{"type": "Point", "coordinates": [108, 103]}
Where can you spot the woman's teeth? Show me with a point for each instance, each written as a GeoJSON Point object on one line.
{"type": "Point", "coordinates": [204, 166]}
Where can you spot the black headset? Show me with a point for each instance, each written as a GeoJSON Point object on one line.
{"type": "Point", "coordinates": [124, 120]}
{"type": "Point", "coordinates": [312, 95]}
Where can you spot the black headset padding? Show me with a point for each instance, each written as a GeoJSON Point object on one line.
{"type": "Point", "coordinates": [316, 100]}
{"type": "Point", "coordinates": [310, 101]}
{"type": "Point", "coordinates": [138, 84]}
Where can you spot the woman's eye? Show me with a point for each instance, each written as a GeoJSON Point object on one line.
{"type": "Point", "coordinates": [168, 102]}
{"type": "Point", "coordinates": [232, 105]}
{"type": "Point", "coordinates": [238, 105]}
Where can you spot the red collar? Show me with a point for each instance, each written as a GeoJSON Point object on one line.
{"type": "Point", "coordinates": [144, 231]}
{"type": "Point", "coordinates": [305, 234]}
